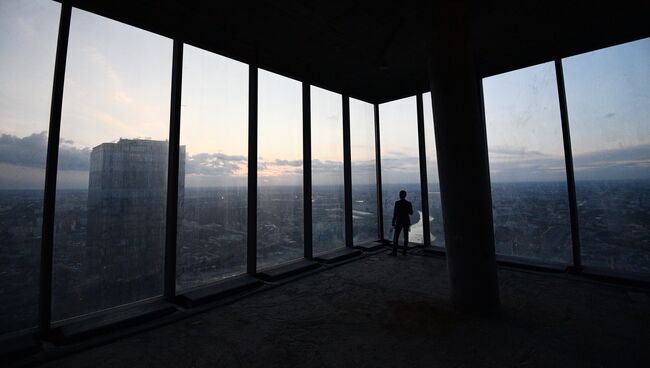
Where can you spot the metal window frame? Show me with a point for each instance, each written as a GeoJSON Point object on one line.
{"type": "Point", "coordinates": [307, 172]}
{"type": "Point", "coordinates": [424, 180]}
{"type": "Point", "coordinates": [51, 166]}
{"type": "Point", "coordinates": [380, 203]}
{"type": "Point", "coordinates": [171, 226]}
{"type": "Point", "coordinates": [347, 172]}
{"type": "Point", "coordinates": [568, 161]}
{"type": "Point", "coordinates": [251, 236]}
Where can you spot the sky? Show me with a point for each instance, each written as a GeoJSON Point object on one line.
{"type": "Point", "coordinates": [399, 142]}
{"type": "Point", "coordinates": [118, 86]}
{"type": "Point", "coordinates": [608, 100]}
{"type": "Point", "coordinates": [362, 143]}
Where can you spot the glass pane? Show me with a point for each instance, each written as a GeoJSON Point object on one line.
{"type": "Point", "coordinates": [435, 206]}
{"type": "Point", "coordinates": [328, 225]}
{"type": "Point", "coordinates": [112, 172]}
{"type": "Point", "coordinates": [364, 172]}
{"type": "Point", "coordinates": [608, 97]}
{"type": "Point", "coordinates": [400, 165]}
{"type": "Point", "coordinates": [279, 169]}
{"type": "Point", "coordinates": [529, 190]}
{"type": "Point", "coordinates": [212, 213]}
{"type": "Point", "coordinates": [28, 34]}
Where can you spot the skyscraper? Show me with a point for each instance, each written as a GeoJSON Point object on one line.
{"type": "Point", "coordinates": [126, 217]}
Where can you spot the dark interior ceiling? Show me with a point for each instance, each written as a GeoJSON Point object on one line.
{"type": "Point", "coordinates": [378, 51]}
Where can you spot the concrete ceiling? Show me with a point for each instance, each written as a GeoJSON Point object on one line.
{"type": "Point", "coordinates": [378, 51]}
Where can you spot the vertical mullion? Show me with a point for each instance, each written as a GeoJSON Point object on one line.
{"type": "Point", "coordinates": [306, 175]}
{"type": "Point", "coordinates": [380, 204]}
{"type": "Point", "coordinates": [424, 185]}
{"type": "Point", "coordinates": [251, 258]}
{"type": "Point", "coordinates": [49, 193]}
{"type": "Point", "coordinates": [568, 159]}
{"type": "Point", "coordinates": [173, 171]}
{"type": "Point", "coordinates": [347, 172]}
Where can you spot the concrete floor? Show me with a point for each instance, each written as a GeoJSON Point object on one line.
{"type": "Point", "coordinates": [382, 311]}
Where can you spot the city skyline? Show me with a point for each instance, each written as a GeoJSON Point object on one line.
{"type": "Point", "coordinates": [22, 168]}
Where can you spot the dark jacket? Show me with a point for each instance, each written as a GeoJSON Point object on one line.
{"type": "Point", "coordinates": [401, 213]}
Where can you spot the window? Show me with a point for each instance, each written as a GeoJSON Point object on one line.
{"type": "Point", "coordinates": [364, 172]}
{"type": "Point", "coordinates": [328, 229]}
{"type": "Point", "coordinates": [212, 213]}
{"type": "Point", "coordinates": [279, 169]}
{"type": "Point", "coordinates": [28, 34]}
{"type": "Point", "coordinates": [112, 171]}
{"type": "Point", "coordinates": [608, 98]}
{"type": "Point", "coordinates": [400, 163]}
{"type": "Point", "coordinates": [527, 168]}
{"type": "Point", "coordinates": [435, 206]}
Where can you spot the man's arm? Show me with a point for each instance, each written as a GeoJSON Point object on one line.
{"type": "Point", "coordinates": [394, 214]}
{"type": "Point", "coordinates": [410, 208]}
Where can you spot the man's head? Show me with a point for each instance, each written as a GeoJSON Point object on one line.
{"type": "Point", "coordinates": [402, 194]}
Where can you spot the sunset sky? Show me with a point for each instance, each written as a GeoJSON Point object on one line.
{"type": "Point", "coordinates": [118, 86]}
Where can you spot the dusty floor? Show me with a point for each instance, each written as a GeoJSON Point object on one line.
{"type": "Point", "coordinates": [382, 311]}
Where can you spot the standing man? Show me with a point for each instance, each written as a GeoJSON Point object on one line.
{"type": "Point", "coordinates": [401, 220]}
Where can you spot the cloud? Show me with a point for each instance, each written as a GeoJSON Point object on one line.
{"type": "Point", "coordinates": [512, 164]}
{"type": "Point", "coordinates": [115, 85]}
{"type": "Point", "coordinates": [72, 158]}
{"type": "Point", "coordinates": [281, 169]}
{"type": "Point", "coordinates": [363, 165]}
{"type": "Point", "coordinates": [327, 167]}
{"type": "Point", "coordinates": [30, 151]}
{"type": "Point", "coordinates": [405, 163]}
{"type": "Point", "coordinates": [216, 164]}
{"type": "Point", "coordinates": [294, 163]}
{"type": "Point", "coordinates": [622, 163]}
{"type": "Point", "coordinates": [395, 155]}
{"type": "Point", "coordinates": [512, 152]}
{"type": "Point", "coordinates": [610, 115]}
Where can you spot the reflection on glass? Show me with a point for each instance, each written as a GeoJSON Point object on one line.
{"type": "Point", "coordinates": [364, 172]}
{"type": "Point", "coordinates": [524, 131]}
{"type": "Point", "coordinates": [435, 206]}
{"type": "Point", "coordinates": [328, 225]}
{"type": "Point", "coordinates": [608, 98]}
{"type": "Point", "coordinates": [212, 211]}
{"type": "Point", "coordinates": [112, 171]}
{"type": "Point", "coordinates": [400, 165]}
{"type": "Point", "coordinates": [28, 33]}
{"type": "Point", "coordinates": [279, 169]}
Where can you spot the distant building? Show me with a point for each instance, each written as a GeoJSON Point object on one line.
{"type": "Point", "coordinates": [127, 194]}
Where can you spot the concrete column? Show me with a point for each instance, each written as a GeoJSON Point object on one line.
{"type": "Point", "coordinates": [459, 120]}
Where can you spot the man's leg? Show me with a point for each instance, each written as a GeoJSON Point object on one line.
{"type": "Point", "coordinates": [406, 239]}
{"type": "Point", "coordinates": [395, 239]}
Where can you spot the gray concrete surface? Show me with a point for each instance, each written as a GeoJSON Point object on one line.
{"type": "Point", "coordinates": [386, 311]}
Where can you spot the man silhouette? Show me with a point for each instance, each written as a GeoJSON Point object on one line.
{"type": "Point", "coordinates": [401, 220]}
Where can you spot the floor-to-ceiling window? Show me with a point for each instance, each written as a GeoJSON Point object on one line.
{"type": "Point", "coordinates": [279, 169]}
{"type": "Point", "coordinates": [28, 34]}
{"type": "Point", "coordinates": [212, 210]}
{"type": "Point", "coordinates": [400, 165]}
{"type": "Point", "coordinates": [364, 172]}
{"type": "Point", "coordinates": [328, 225]}
{"type": "Point", "coordinates": [112, 170]}
{"type": "Point", "coordinates": [608, 98]}
{"type": "Point", "coordinates": [527, 168]}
